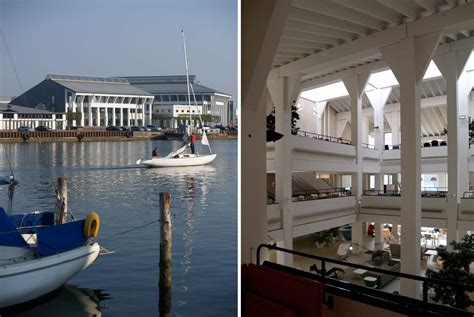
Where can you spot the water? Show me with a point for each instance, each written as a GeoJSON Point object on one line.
{"type": "Point", "coordinates": [103, 177]}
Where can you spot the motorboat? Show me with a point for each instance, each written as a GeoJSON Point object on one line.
{"type": "Point", "coordinates": [38, 255]}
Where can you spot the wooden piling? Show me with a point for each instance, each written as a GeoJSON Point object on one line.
{"type": "Point", "coordinates": [166, 233]}
{"type": "Point", "coordinates": [61, 202]}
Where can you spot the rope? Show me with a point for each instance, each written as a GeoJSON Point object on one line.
{"type": "Point", "coordinates": [133, 229]}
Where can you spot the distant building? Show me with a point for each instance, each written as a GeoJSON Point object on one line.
{"type": "Point", "coordinates": [172, 90]}
{"type": "Point", "coordinates": [175, 115]}
{"type": "Point", "coordinates": [12, 117]}
{"type": "Point", "coordinates": [100, 101]}
{"type": "Point", "coordinates": [232, 115]}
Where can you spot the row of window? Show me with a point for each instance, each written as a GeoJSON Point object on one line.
{"type": "Point", "coordinates": [30, 116]}
{"type": "Point", "coordinates": [173, 98]}
{"type": "Point", "coordinates": [175, 111]}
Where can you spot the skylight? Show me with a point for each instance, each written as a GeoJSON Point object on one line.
{"type": "Point", "coordinates": [327, 92]}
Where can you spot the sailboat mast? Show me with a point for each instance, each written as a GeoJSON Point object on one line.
{"type": "Point", "coordinates": [187, 82]}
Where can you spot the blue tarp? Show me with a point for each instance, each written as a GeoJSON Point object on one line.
{"type": "Point", "coordinates": [9, 235]}
{"type": "Point", "coordinates": [60, 238]}
{"type": "Point", "coordinates": [33, 219]}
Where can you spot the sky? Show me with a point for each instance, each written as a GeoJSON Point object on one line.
{"type": "Point", "coordinates": [118, 38]}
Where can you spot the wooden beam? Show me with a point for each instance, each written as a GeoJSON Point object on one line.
{"type": "Point", "coordinates": [302, 35]}
{"type": "Point", "coordinates": [317, 29]}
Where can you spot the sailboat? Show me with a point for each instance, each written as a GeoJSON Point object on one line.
{"type": "Point", "coordinates": [182, 156]}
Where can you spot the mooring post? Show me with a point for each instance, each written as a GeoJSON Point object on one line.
{"type": "Point", "coordinates": [165, 255]}
{"type": "Point", "coordinates": [61, 203]}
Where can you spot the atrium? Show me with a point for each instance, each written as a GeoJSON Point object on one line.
{"type": "Point", "coordinates": [384, 96]}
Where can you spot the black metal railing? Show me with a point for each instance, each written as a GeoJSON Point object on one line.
{"type": "Point", "coordinates": [314, 194]}
{"type": "Point", "coordinates": [399, 303]}
{"type": "Point", "coordinates": [468, 195]}
{"type": "Point", "coordinates": [323, 137]}
{"type": "Point", "coordinates": [426, 192]}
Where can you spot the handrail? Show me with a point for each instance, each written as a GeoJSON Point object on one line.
{"type": "Point", "coordinates": [437, 193]}
{"type": "Point", "coordinates": [323, 137]}
{"type": "Point", "coordinates": [426, 280]}
{"type": "Point", "coordinates": [468, 195]}
{"type": "Point", "coordinates": [368, 146]}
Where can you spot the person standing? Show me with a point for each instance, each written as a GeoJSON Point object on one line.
{"type": "Point", "coordinates": [193, 140]}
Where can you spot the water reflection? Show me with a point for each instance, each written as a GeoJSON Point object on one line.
{"type": "Point", "coordinates": [67, 301]}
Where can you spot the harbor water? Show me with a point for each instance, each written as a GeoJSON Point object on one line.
{"type": "Point", "coordinates": [103, 177]}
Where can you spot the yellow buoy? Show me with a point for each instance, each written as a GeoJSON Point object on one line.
{"type": "Point", "coordinates": [91, 225]}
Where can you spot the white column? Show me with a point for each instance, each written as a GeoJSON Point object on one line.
{"type": "Point", "coordinates": [90, 110]}
{"type": "Point", "coordinates": [114, 119]}
{"type": "Point", "coordinates": [357, 236]}
{"type": "Point", "coordinates": [458, 86]}
{"type": "Point", "coordinates": [258, 27]}
{"type": "Point", "coordinates": [409, 60]}
{"type": "Point", "coordinates": [378, 99]}
{"type": "Point", "coordinates": [319, 108]}
{"type": "Point", "coordinates": [393, 119]}
{"type": "Point", "coordinates": [98, 116]}
{"type": "Point", "coordinates": [284, 92]}
{"type": "Point", "coordinates": [151, 112]}
{"type": "Point", "coordinates": [379, 233]}
{"type": "Point", "coordinates": [81, 109]}
{"type": "Point", "coordinates": [128, 115]}
{"type": "Point", "coordinates": [106, 117]}
{"type": "Point", "coordinates": [355, 85]}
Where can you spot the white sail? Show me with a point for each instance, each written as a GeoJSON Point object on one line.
{"type": "Point", "coordinates": [204, 140]}
{"type": "Point", "coordinates": [178, 151]}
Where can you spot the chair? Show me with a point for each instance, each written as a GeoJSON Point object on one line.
{"type": "Point", "coordinates": [434, 143]}
{"type": "Point", "coordinates": [427, 144]}
{"type": "Point", "coordinates": [386, 147]}
{"type": "Point", "coordinates": [343, 250]}
{"type": "Point", "coordinates": [396, 147]}
{"type": "Point", "coordinates": [443, 143]}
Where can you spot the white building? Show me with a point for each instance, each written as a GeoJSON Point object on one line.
{"type": "Point", "coordinates": [100, 101]}
{"type": "Point", "coordinates": [12, 117]}
{"type": "Point", "coordinates": [172, 90]}
{"type": "Point", "coordinates": [175, 115]}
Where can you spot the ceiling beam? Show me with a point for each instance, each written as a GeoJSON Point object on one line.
{"type": "Point", "coordinates": [406, 7]}
{"type": "Point", "coordinates": [317, 29]}
{"type": "Point", "coordinates": [301, 35]}
{"type": "Point", "coordinates": [295, 49]}
{"type": "Point", "coordinates": [303, 43]}
{"type": "Point", "coordinates": [373, 8]}
{"type": "Point", "coordinates": [319, 19]}
{"type": "Point", "coordinates": [429, 5]}
{"type": "Point", "coordinates": [460, 18]}
{"type": "Point", "coordinates": [340, 12]}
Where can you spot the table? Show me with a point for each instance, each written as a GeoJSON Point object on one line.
{"type": "Point", "coordinates": [431, 252]}
{"type": "Point", "coordinates": [359, 271]}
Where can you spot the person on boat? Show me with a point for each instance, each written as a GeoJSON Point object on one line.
{"type": "Point", "coordinates": [193, 139]}
{"type": "Point", "coordinates": [155, 152]}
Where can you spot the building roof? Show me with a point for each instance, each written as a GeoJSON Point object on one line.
{"type": "Point", "coordinates": [97, 85]}
{"type": "Point", "coordinates": [160, 85]}
{"type": "Point", "coordinates": [6, 107]}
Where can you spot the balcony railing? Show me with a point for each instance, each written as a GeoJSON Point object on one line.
{"type": "Point", "coordinates": [393, 302]}
{"type": "Point", "coordinates": [468, 195]}
{"type": "Point", "coordinates": [323, 137]}
{"type": "Point", "coordinates": [426, 192]}
{"type": "Point", "coordinates": [314, 194]}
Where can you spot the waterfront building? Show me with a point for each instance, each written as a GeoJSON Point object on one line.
{"type": "Point", "coordinates": [385, 96]}
{"type": "Point", "coordinates": [173, 116]}
{"type": "Point", "coordinates": [12, 117]}
{"type": "Point", "coordinates": [90, 101]}
{"type": "Point", "coordinates": [172, 90]}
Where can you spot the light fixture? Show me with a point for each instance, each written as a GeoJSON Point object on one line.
{"type": "Point", "coordinates": [462, 117]}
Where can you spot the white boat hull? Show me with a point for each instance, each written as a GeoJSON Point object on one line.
{"type": "Point", "coordinates": [182, 161]}
{"type": "Point", "coordinates": [25, 281]}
